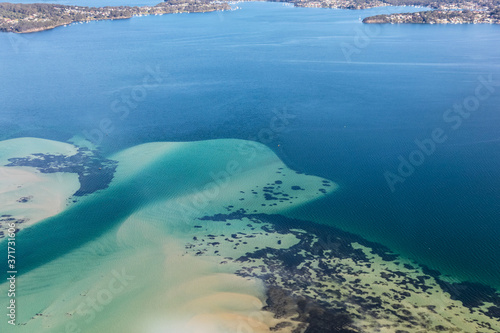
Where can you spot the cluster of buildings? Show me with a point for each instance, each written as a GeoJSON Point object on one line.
{"type": "Point", "coordinates": [341, 4]}
{"type": "Point", "coordinates": [437, 17]}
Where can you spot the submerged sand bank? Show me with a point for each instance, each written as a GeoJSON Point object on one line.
{"type": "Point", "coordinates": [39, 177]}
{"type": "Point", "coordinates": [191, 237]}
{"type": "Point", "coordinates": [26, 194]}
{"type": "Point", "coordinates": [169, 186]}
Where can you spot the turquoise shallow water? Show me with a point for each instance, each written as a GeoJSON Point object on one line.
{"type": "Point", "coordinates": [142, 225]}
{"type": "Point", "coordinates": [227, 75]}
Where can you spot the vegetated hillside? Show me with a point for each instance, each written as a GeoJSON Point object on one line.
{"type": "Point", "coordinates": [36, 17]}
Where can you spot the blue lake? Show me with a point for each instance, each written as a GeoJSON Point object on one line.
{"type": "Point", "coordinates": [331, 96]}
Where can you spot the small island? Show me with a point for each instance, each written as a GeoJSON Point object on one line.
{"type": "Point", "coordinates": [26, 18]}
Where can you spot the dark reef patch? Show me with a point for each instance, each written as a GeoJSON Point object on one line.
{"type": "Point", "coordinates": [94, 171]}
{"type": "Point", "coordinates": [318, 319]}
{"type": "Point", "coordinates": [472, 295]}
{"type": "Point", "coordinates": [329, 238]}
{"type": "Point", "coordinates": [25, 199]}
{"type": "Point", "coordinates": [297, 188]}
{"type": "Point", "coordinates": [5, 221]}
{"type": "Point", "coordinates": [324, 244]}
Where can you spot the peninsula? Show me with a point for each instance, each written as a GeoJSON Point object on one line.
{"type": "Point", "coordinates": [25, 18]}
{"type": "Point", "coordinates": [444, 12]}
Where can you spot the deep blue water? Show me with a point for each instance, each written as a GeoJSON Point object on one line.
{"type": "Point", "coordinates": [225, 75]}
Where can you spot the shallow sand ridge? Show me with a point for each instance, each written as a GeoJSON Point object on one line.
{"type": "Point", "coordinates": [211, 174]}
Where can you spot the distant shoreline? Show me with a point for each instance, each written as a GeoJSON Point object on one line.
{"type": "Point", "coordinates": [29, 31]}
{"type": "Point", "coordinates": [30, 18]}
